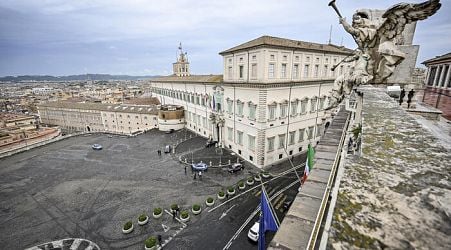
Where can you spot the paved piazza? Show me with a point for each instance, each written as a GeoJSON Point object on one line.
{"type": "Point", "coordinates": [68, 190]}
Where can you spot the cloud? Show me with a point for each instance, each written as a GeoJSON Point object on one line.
{"type": "Point", "coordinates": [95, 33]}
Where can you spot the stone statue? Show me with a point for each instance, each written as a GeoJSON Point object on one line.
{"type": "Point", "coordinates": [377, 55]}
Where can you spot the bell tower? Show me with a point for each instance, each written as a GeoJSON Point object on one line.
{"type": "Point", "coordinates": [181, 67]}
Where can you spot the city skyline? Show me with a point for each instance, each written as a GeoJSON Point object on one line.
{"type": "Point", "coordinates": [141, 37]}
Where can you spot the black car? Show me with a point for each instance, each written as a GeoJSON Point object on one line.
{"type": "Point", "coordinates": [210, 143]}
{"type": "Point", "coordinates": [235, 167]}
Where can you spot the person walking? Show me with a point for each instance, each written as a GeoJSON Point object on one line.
{"type": "Point", "coordinates": [185, 169]}
{"type": "Point", "coordinates": [159, 240]}
{"type": "Point", "coordinates": [200, 175]}
{"type": "Point", "coordinates": [401, 96]}
{"type": "Point", "coordinates": [173, 214]}
{"type": "Point", "coordinates": [409, 98]}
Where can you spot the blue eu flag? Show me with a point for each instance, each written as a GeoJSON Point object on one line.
{"type": "Point", "coordinates": [267, 221]}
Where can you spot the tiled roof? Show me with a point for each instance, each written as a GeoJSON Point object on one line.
{"type": "Point", "coordinates": [288, 43]}
{"type": "Point", "coordinates": [125, 108]}
{"type": "Point", "coordinates": [191, 78]}
{"type": "Point", "coordinates": [445, 57]}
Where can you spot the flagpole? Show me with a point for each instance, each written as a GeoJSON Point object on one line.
{"type": "Point", "coordinates": [270, 205]}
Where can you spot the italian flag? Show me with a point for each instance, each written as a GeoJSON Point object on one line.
{"type": "Point", "coordinates": [308, 163]}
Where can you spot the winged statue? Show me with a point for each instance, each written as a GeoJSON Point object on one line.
{"type": "Point", "coordinates": [377, 55]}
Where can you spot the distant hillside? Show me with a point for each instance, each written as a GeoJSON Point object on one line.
{"type": "Point", "coordinates": [93, 77]}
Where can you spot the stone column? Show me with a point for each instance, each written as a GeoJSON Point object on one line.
{"type": "Point", "coordinates": [437, 71]}
{"type": "Point", "coordinates": [442, 75]}
{"type": "Point", "coordinates": [448, 75]}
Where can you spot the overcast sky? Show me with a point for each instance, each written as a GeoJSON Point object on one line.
{"type": "Point", "coordinates": [140, 37]}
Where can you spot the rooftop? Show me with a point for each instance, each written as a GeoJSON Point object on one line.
{"type": "Point", "coordinates": [445, 57]}
{"type": "Point", "coordinates": [125, 108]}
{"type": "Point", "coordinates": [191, 78]}
{"type": "Point", "coordinates": [288, 43]}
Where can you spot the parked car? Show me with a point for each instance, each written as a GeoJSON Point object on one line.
{"type": "Point", "coordinates": [167, 149]}
{"type": "Point", "coordinates": [210, 143]}
{"type": "Point", "coordinates": [199, 166]}
{"type": "Point", "coordinates": [170, 131]}
{"type": "Point", "coordinates": [253, 232]}
{"type": "Point", "coordinates": [96, 146]}
{"type": "Point", "coordinates": [235, 167]}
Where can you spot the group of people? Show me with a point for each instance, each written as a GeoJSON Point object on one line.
{"type": "Point", "coordinates": [409, 97]}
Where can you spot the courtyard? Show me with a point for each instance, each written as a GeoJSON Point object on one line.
{"type": "Point", "coordinates": [68, 190]}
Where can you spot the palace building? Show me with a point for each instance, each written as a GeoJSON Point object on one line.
{"type": "Point", "coordinates": [269, 103]}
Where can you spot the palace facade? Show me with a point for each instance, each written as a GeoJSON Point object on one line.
{"type": "Point", "coordinates": [269, 103]}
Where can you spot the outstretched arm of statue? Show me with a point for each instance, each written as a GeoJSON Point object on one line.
{"type": "Point", "coordinates": [348, 27]}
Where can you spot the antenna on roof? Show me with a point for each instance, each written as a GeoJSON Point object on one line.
{"type": "Point", "coordinates": [330, 34]}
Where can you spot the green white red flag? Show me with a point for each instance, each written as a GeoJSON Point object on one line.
{"type": "Point", "coordinates": [308, 163]}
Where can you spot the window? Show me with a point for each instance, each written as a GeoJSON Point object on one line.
{"type": "Point", "coordinates": [251, 142]}
{"type": "Point", "coordinates": [271, 144]}
{"type": "Point", "coordinates": [285, 58]}
{"type": "Point", "coordinates": [283, 71]}
{"type": "Point", "coordinates": [239, 107]}
{"type": "Point", "coordinates": [296, 58]}
{"type": "Point", "coordinates": [283, 110]}
{"type": "Point", "coordinates": [230, 72]}
{"type": "Point", "coordinates": [254, 57]}
{"type": "Point", "coordinates": [230, 133]}
{"type": "Point", "coordinates": [301, 134]}
{"type": "Point", "coordinates": [230, 106]}
{"type": "Point", "coordinates": [294, 108]}
{"type": "Point", "coordinates": [230, 60]}
{"type": "Point", "coordinates": [252, 109]}
{"type": "Point", "coordinates": [295, 71]}
{"type": "Point", "coordinates": [313, 104]}
{"type": "Point", "coordinates": [241, 59]}
{"type": "Point", "coordinates": [318, 129]}
{"type": "Point", "coordinates": [316, 72]}
{"type": "Point", "coordinates": [304, 106]}
{"type": "Point", "coordinates": [326, 69]}
{"type": "Point", "coordinates": [306, 70]}
{"type": "Point", "coordinates": [272, 112]}
{"type": "Point", "coordinates": [310, 132]}
{"type": "Point", "coordinates": [272, 57]}
{"type": "Point", "coordinates": [292, 137]}
{"type": "Point", "coordinates": [204, 122]}
{"type": "Point", "coordinates": [271, 70]}
{"type": "Point", "coordinates": [321, 102]}
{"type": "Point", "coordinates": [254, 70]}
{"type": "Point", "coordinates": [239, 137]}
{"type": "Point", "coordinates": [241, 71]}
{"type": "Point", "coordinates": [341, 70]}
{"type": "Point", "coordinates": [281, 141]}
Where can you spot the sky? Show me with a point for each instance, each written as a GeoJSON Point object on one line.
{"type": "Point", "coordinates": [140, 37]}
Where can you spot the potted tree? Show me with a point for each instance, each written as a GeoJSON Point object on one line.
{"type": "Point", "coordinates": [184, 216]}
{"type": "Point", "coordinates": [241, 185]}
{"type": "Point", "coordinates": [210, 201]}
{"type": "Point", "coordinates": [221, 195]}
{"type": "Point", "coordinates": [250, 181]}
{"type": "Point", "coordinates": [196, 209]}
{"type": "Point", "coordinates": [231, 190]}
{"type": "Point", "coordinates": [150, 243]}
{"type": "Point", "coordinates": [157, 212]}
{"type": "Point", "coordinates": [128, 227]}
{"type": "Point", "coordinates": [266, 174]}
{"type": "Point", "coordinates": [143, 219]}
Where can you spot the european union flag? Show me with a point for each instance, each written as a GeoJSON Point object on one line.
{"type": "Point", "coordinates": [267, 221]}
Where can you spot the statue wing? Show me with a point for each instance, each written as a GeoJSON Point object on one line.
{"type": "Point", "coordinates": [397, 16]}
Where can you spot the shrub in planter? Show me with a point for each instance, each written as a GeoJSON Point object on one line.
{"type": "Point", "coordinates": [184, 216]}
{"type": "Point", "coordinates": [266, 174]}
{"type": "Point", "coordinates": [231, 190]}
{"type": "Point", "coordinates": [209, 202]}
{"type": "Point", "coordinates": [241, 185]}
{"type": "Point", "coordinates": [250, 181]}
{"type": "Point", "coordinates": [128, 227]}
{"type": "Point", "coordinates": [150, 242]}
{"type": "Point", "coordinates": [143, 219]}
{"type": "Point", "coordinates": [174, 207]}
{"type": "Point", "coordinates": [257, 177]}
{"type": "Point", "coordinates": [157, 212]}
{"type": "Point", "coordinates": [221, 195]}
{"type": "Point", "coordinates": [196, 209]}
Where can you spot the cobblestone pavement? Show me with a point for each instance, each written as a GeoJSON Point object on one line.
{"type": "Point", "coordinates": [68, 190]}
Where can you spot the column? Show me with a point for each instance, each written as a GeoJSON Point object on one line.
{"type": "Point", "coordinates": [442, 75]}
{"type": "Point", "coordinates": [447, 78]}
{"type": "Point", "coordinates": [438, 72]}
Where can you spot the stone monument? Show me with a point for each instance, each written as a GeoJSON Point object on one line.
{"type": "Point", "coordinates": [377, 36]}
